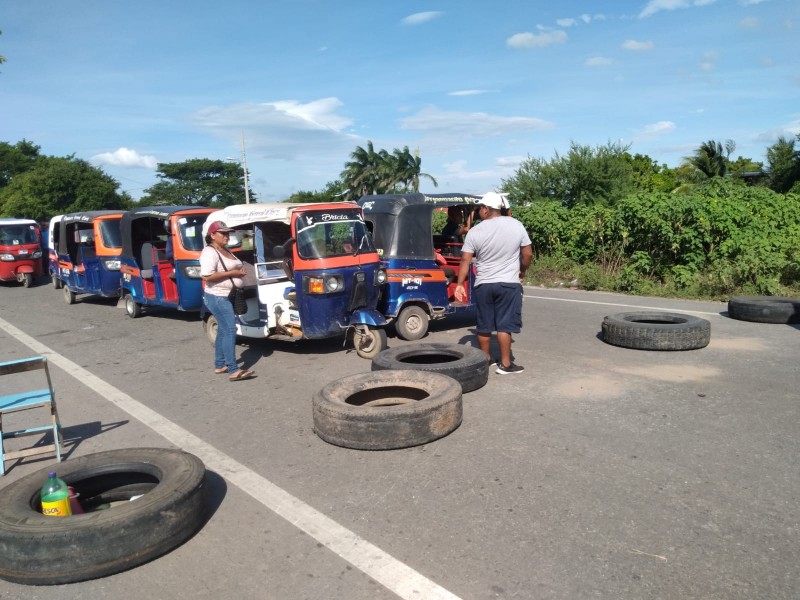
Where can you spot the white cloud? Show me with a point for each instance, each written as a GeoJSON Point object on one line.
{"type": "Point", "coordinates": [282, 129]}
{"type": "Point", "coordinates": [653, 130]}
{"type": "Point", "coordinates": [421, 17]}
{"type": "Point", "coordinates": [637, 46]}
{"type": "Point", "coordinates": [707, 66]}
{"type": "Point", "coordinates": [467, 92]}
{"type": "Point", "coordinates": [474, 124]}
{"type": "Point", "coordinates": [655, 6]}
{"type": "Point", "coordinates": [586, 18]}
{"type": "Point", "coordinates": [125, 157]}
{"type": "Point", "coordinates": [749, 23]}
{"type": "Point", "coordinates": [598, 61]}
{"type": "Point", "coordinates": [750, 2]}
{"type": "Point", "coordinates": [536, 40]}
{"type": "Point", "coordinates": [566, 22]}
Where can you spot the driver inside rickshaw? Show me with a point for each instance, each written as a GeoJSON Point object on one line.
{"type": "Point", "coordinates": [456, 226]}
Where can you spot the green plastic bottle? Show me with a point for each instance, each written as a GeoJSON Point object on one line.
{"type": "Point", "coordinates": [55, 497]}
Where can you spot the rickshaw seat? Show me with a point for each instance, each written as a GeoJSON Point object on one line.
{"type": "Point", "coordinates": [27, 400]}
{"type": "Point", "coordinates": [146, 265]}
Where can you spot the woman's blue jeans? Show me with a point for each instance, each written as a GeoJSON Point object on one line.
{"type": "Point", "coordinates": [225, 344]}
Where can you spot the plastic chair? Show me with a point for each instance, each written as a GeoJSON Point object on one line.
{"type": "Point", "coordinates": [42, 398]}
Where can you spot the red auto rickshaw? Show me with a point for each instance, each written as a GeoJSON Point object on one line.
{"type": "Point", "coordinates": [20, 251]}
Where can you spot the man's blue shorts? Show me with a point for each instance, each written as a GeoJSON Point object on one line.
{"type": "Point", "coordinates": [499, 307]}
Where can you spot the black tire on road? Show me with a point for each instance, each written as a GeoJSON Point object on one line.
{"type": "Point", "coordinates": [764, 309]}
{"type": "Point", "coordinates": [656, 331]}
{"type": "Point", "coordinates": [370, 342]}
{"type": "Point", "coordinates": [466, 364]}
{"type": "Point", "coordinates": [387, 410]}
{"type": "Point", "coordinates": [412, 323]}
{"type": "Point", "coordinates": [27, 280]}
{"type": "Point", "coordinates": [69, 295]}
{"type": "Point", "coordinates": [40, 550]}
{"type": "Point", "coordinates": [210, 326]}
{"type": "Point", "coordinates": [57, 283]}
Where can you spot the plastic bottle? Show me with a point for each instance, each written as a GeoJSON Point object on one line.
{"type": "Point", "coordinates": [55, 497]}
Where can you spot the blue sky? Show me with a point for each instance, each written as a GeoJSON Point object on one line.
{"type": "Point", "coordinates": [475, 86]}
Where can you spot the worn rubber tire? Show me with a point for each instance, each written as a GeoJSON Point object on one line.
{"type": "Point", "coordinates": [132, 308]}
{"type": "Point", "coordinates": [412, 323]}
{"type": "Point", "coordinates": [656, 331]}
{"type": "Point", "coordinates": [764, 309]}
{"type": "Point", "coordinates": [387, 410]}
{"type": "Point", "coordinates": [376, 344]}
{"type": "Point", "coordinates": [69, 295]}
{"type": "Point", "coordinates": [40, 550]}
{"type": "Point", "coordinates": [27, 280]}
{"type": "Point", "coordinates": [466, 364]}
{"type": "Point", "coordinates": [57, 283]}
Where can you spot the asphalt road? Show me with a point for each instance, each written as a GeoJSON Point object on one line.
{"type": "Point", "coordinates": [600, 472]}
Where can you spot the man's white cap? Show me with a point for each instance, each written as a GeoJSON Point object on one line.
{"type": "Point", "coordinates": [494, 200]}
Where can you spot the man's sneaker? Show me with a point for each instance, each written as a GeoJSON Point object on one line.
{"type": "Point", "coordinates": [501, 370]}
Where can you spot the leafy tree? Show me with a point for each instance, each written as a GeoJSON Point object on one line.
{"type": "Point", "coordinates": [332, 192]}
{"type": "Point", "coordinates": [200, 182]}
{"type": "Point", "coordinates": [16, 159]}
{"type": "Point", "coordinates": [56, 185]}
{"type": "Point", "coordinates": [784, 164]}
{"type": "Point", "coordinates": [585, 176]}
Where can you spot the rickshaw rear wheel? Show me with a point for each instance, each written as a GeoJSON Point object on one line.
{"type": "Point", "coordinates": [69, 296]}
{"type": "Point", "coordinates": [133, 309]}
{"type": "Point", "coordinates": [210, 326]}
{"type": "Point", "coordinates": [27, 280]}
{"type": "Point", "coordinates": [369, 341]}
{"type": "Point", "coordinates": [412, 323]}
{"type": "Point", "coordinates": [57, 283]}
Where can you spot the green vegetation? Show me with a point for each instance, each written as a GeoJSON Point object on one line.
{"type": "Point", "coordinates": [199, 182]}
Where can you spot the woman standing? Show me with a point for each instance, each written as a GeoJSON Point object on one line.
{"type": "Point", "coordinates": [221, 270]}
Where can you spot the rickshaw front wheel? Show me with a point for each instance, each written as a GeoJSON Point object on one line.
{"type": "Point", "coordinates": [57, 283]}
{"type": "Point", "coordinates": [27, 280]}
{"type": "Point", "coordinates": [132, 309]}
{"type": "Point", "coordinates": [210, 327]}
{"type": "Point", "coordinates": [369, 342]}
{"type": "Point", "coordinates": [69, 296]}
{"type": "Point", "coordinates": [412, 323]}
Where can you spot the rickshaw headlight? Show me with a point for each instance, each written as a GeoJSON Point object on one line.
{"type": "Point", "coordinates": [112, 264]}
{"type": "Point", "coordinates": [327, 284]}
{"type": "Point", "coordinates": [192, 271]}
{"type": "Point", "coordinates": [380, 277]}
{"type": "Point", "coordinates": [7, 257]}
{"type": "Point", "coordinates": [37, 254]}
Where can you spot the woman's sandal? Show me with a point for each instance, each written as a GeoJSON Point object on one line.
{"type": "Point", "coordinates": [241, 375]}
{"type": "Point", "coordinates": [220, 371]}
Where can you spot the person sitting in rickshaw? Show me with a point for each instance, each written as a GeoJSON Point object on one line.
{"type": "Point", "coordinates": [453, 228]}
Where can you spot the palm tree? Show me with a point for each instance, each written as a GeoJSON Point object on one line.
{"type": "Point", "coordinates": [366, 173]}
{"type": "Point", "coordinates": [709, 159]}
{"type": "Point", "coordinates": [784, 164]}
{"type": "Point", "coordinates": [407, 170]}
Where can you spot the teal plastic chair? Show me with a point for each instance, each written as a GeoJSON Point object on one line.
{"type": "Point", "coordinates": [41, 398]}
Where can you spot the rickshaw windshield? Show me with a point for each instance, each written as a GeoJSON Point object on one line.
{"type": "Point", "coordinates": [111, 234]}
{"type": "Point", "coordinates": [191, 231]}
{"type": "Point", "coordinates": [16, 235]}
{"type": "Point", "coordinates": [337, 234]}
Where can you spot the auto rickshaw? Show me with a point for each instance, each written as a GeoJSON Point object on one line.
{"type": "Point", "coordinates": [20, 251]}
{"type": "Point", "coordinates": [315, 273]}
{"type": "Point", "coordinates": [160, 260]}
{"type": "Point", "coordinates": [422, 268]}
{"type": "Point", "coordinates": [88, 248]}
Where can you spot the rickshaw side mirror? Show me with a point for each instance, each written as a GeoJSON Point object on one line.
{"type": "Point", "coordinates": [278, 252]}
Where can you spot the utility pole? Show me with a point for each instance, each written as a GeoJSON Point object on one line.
{"type": "Point", "coordinates": [244, 166]}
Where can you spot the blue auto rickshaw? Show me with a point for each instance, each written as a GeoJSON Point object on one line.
{"type": "Point", "coordinates": [314, 273]}
{"type": "Point", "coordinates": [88, 248]}
{"type": "Point", "coordinates": [422, 268]}
{"type": "Point", "coordinates": [160, 257]}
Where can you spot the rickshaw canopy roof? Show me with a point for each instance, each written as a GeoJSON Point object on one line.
{"type": "Point", "coordinates": [158, 212]}
{"type": "Point", "coordinates": [238, 215]}
{"type": "Point", "coordinates": [402, 223]}
{"type": "Point", "coordinates": [13, 221]}
{"type": "Point", "coordinates": [89, 216]}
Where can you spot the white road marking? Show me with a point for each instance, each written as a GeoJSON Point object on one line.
{"type": "Point", "coordinates": [692, 312]}
{"type": "Point", "coordinates": [396, 576]}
